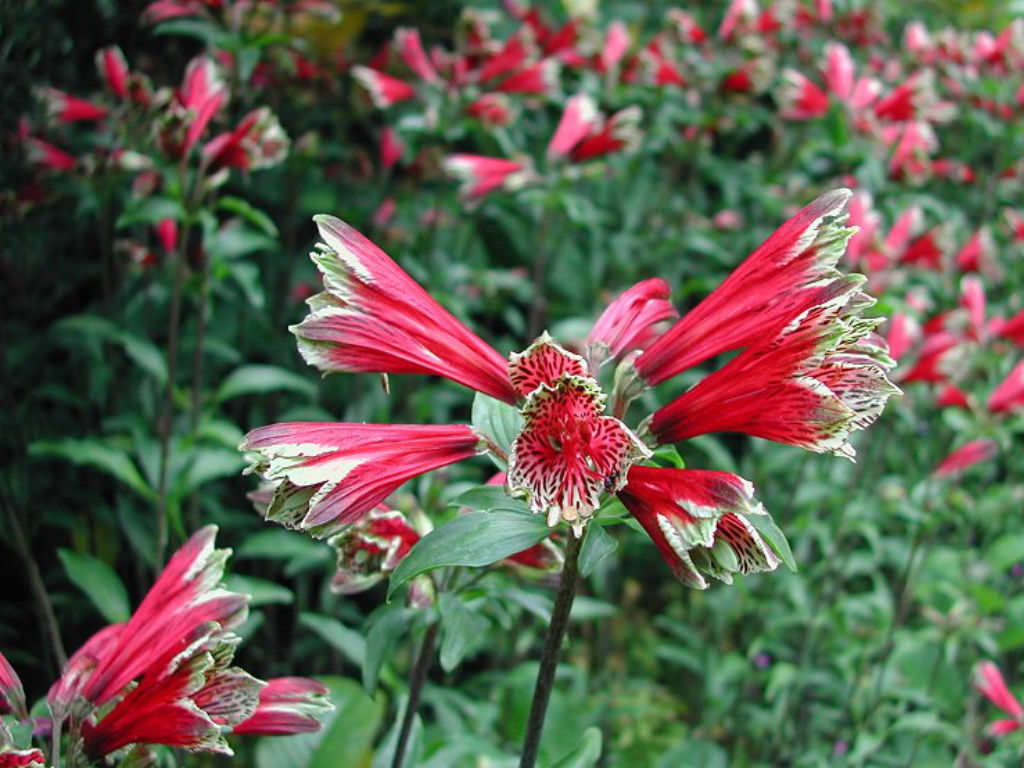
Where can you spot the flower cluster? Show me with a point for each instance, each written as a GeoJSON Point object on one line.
{"type": "Point", "coordinates": [165, 676]}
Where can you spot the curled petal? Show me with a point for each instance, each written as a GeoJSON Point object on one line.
{"type": "Point", "coordinates": [629, 322]}
{"type": "Point", "coordinates": [288, 705]}
{"type": "Point", "coordinates": [698, 521]}
{"type": "Point", "coordinates": [766, 289]}
{"type": "Point", "coordinates": [329, 475]}
{"type": "Point", "coordinates": [810, 383]}
{"type": "Point", "coordinates": [369, 549]}
{"type": "Point", "coordinates": [989, 682]}
{"type": "Point", "coordinates": [373, 318]}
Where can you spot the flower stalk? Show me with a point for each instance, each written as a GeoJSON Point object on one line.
{"type": "Point", "coordinates": [416, 680]}
{"type": "Point", "coordinates": [552, 647]}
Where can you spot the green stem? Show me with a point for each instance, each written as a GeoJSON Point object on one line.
{"type": "Point", "coordinates": [552, 647]}
{"type": "Point", "coordinates": [416, 680]}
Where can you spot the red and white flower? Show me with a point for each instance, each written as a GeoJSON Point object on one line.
{"type": "Point", "coordinates": [384, 90]}
{"type": "Point", "coordinates": [989, 682]}
{"type": "Point", "coordinates": [809, 371]}
{"type": "Point", "coordinates": [287, 705]}
{"type": "Point", "coordinates": [481, 175]}
{"type": "Point", "coordinates": [800, 98]}
{"type": "Point", "coordinates": [967, 455]}
{"type": "Point", "coordinates": [65, 108]}
{"type": "Point", "coordinates": [369, 549]}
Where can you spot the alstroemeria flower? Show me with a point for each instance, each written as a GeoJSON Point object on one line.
{"type": "Point", "coordinates": [19, 758]}
{"type": "Point", "coordinates": [809, 372]}
{"type": "Point", "coordinates": [1009, 393]}
{"type": "Point", "coordinates": [162, 677]}
{"type": "Point", "coordinates": [384, 90]}
{"type": "Point", "coordinates": [989, 682]}
{"type": "Point", "coordinates": [410, 48]}
{"type": "Point", "coordinates": [800, 98]}
{"type": "Point", "coordinates": [370, 549]}
{"type": "Point", "coordinates": [287, 705]}
{"type": "Point", "coordinates": [481, 175]}
{"type": "Point", "coordinates": [12, 695]}
{"type": "Point", "coordinates": [113, 70]}
{"type": "Point", "coordinates": [202, 94]}
{"type": "Point", "coordinates": [65, 108]}
{"type": "Point", "coordinates": [259, 141]}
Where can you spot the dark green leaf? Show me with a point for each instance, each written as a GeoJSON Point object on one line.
{"type": "Point", "coordinates": [346, 641]}
{"type": "Point", "coordinates": [387, 625]}
{"type": "Point", "coordinates": [100, 584]}
{"type": "Point", "coordinates": [260, 379]}
{"type": "Point", "coordinates": [776, 539]}
{"type": "Point", "coordinates": [461, 627]}
{"type": "Point", "coordinates": [597, 545]}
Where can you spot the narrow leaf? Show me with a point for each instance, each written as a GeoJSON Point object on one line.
{"type": "Point", "coordinates": [99, 582]}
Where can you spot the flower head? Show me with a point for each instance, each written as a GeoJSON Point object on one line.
{"type": "Point", "coordinates": [989, 681]}
{"type": "Point", "coordinates": [287, 705]}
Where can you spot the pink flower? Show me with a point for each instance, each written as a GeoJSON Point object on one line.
{"type": "Point", "coordinates": [739, 17]}
{"type": "Point", "coordinates": [904, 332]}
{"type": "Point", "coordinates": [977, 253]}
{"type": "Point", "coordinates": [410, 48]}
{"type": "Point", "coordinates": [201, 96]}
{"type": "Point", "coordinates": [369, 549]}
{"type": "Point", "coordinates": [629, 323]}
{"type": "Point", "coordinates": [967, 455]}
{"type": "Point", "coordinates": [66, 108]}
{"type": "Point", "coordinates": [510, 58]}
{"type": "Point", "coordinates": [481, 175]}
{"type": "Point", "coordinates": [1012, 329]}
{"type": "Point", "coordinates": [938, 359]}
{"type": "Point", "coordinates": [12, 695]}
{"type": "Point", "coordinates": [727, 220]}
{"type": "Point", "coordinates": [616, 43]}
{"type": "Point", "coordinates": [989, 682]}
{"type": "Point", "coordinates": [800, 98]}
{"type": "Point", "coordinates": [1009, 393]}
{"type": "Point", "coordinates": [287, 705]}
{"type": "Point", "coordinates": [162, 10]}
{"type": "Point", "coordinates": [47, 156]}
{"type": "Point", "coordinates": [816, 374]}
{"type": "Point", "coordinates": [384, 90]}
{"type": "Point", "coordinates": [113, 69]}
{"type": "Point", "coordinates": [620, 131]}
{"type": "Point", "coordinates": [167, 234]}
{"type": "Point", "coordinates": [579, 118]}
{"type": "Point", "coordinates": [384, 211]}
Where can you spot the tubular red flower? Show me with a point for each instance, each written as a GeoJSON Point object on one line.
{"type": "Point", "coordinates": [698, 521]}
{"type": "Point", "coordinates": [48, 156]}
{"type": "Point", "coordinates": [800, 98]}
{"type": "Point", "coordinates": [761, 292]}
{"type": "Point", "coordinates": [1013, 329]}
{"type": "Point", "coordinates": [287, 705]}
{"type": "Point", "coordinates": [12, 695]}
{"type": "Point", "coordinates": [21, 758]}
{"type": "Point", "coordinates": [539, 78]}
{"type": "Point", "coordinates": [481, 175]}
{"type": "Point", "coordinates": [410, 48]}
{"type": "Point", "coordinates": [967, 455]}
{"type": "Point", "coordinates": [629, 322]}
{"type": "Point", "coordinates": [259, 141]}
{"type": "Point", "coordinates": [491, 109]}
{"type": "Point", "coordinates": [620, 131]}
{"type": "Point", "coordinates": [384, 90]}
{"type": "Point", "coordinates": [328, 475]}
{"type": "Point", "coordinates": [938, 359]}
{"type": "Point", "coordinates": [579, 119]}
{"type": "Point", "coordinates": [391, 147]}
{"type": "Point", "coordinates": [113, 70]}
{"type": "Point", "coordinates": [811, 382]}
{"type": "Point", "coordinates": [989, 682]}
{"type": "Point", "coordinates": [203, 92]}
{"type": "Point", "coordinates": [510, 58]}
{"type": "Point", "coordinates": [66, 108]}
{"type": "Point", "coordinates": [1009, 393]}
{"type": "Point", "coordinates": [373, 318]}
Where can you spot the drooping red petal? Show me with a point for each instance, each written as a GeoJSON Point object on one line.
{"type": "Point", "coordinates": [373, 318]}
{"type": "Point", "coordinates": [761, 292]}
{"type": "Point", "coordinates": [698, 521]}
{"type": "Point", "coordinates": [328, 475]}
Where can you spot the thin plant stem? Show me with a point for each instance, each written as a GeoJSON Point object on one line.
{"type": "Point", "coordinates": [552, 647]}
{"type": "Point", "coordinates": [47, 617]}
{"type": "Point", "coordinates": [416, 680]}
{"type": "Point", "coordinates": [539, 304]}
{"type": "Point", "coordinates": [55, 742]}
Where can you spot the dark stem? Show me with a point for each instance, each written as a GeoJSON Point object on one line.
{"type": "Point", "coordinates": [35, 580]}
{"type": "Point", "coordinates": [552, 646]}
{"type": "Point", "coordinates": [539, 305]}
{"type": "Point", "coordinates": [167, 416]}
{"type": "Point", "coordinates": [416, 680]}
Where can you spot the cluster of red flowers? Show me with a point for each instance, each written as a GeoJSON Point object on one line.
{"type": "Point", "coordinates": [164, 676]}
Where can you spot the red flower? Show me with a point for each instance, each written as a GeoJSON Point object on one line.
{"type": "Point", "coordinates": [491, 109]}
{"type": "Point", "coordinates": [967, 455]}
{"type": "Point", "coordinates": [1009, 393]}
{"type": "Point", "coordinates": [538, 78]}
{"type": "Point", "coordinates": [12, 695]}
{"type": "Point", "coordinates": [800, 98]}
{"type": "Point", "coordinates": [816, 374]}
{"type": "Point", "coordinates": [259, 141]}
{"type": "Point", "coordinates": [510, 58]}
{"type": "Point", "coordinates": [410, 48]}
{"type": "Point", "coordinates": [369, 549]}
{"type": "Point", "coordinates": [579, 118]}
{"type": "Point", "coordinates": [69, 109]}
{"type": "Point", "coordinates": [384, 90]}
{"type": "Point", "coordinates": [21, 758]}
{"type": "Point", "coordinates": [287, 705]}
{"type": "Point", "coordinates": [989, 681]}
{"type": "Point", "coordinates": [201, 96]}
{"type": "Point", "coordinates": [113, 69]}
{"type": "Point", "coordinates": [48, 156]}
{"type": "Point", "coordinates": [485, 174]}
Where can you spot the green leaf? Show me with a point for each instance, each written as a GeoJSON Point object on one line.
{"type": "Point", "coordinates": [254, 215]}
{"type": "Point", "coordinates": [776, 539]}
{"type": "Point", "coordinates": [347, 642]}
{"type": "Point", "coordinates": [150, 210]}
{"type": "Point", "coordinates": [100, 584]}
{"type": "Point", "coordinates": [591, 609]}
{"type": "Point", "coordinates": [211, 464]}
{"type": "Point", "coordinates": [202, 30]}
{"type": "Point", "coordinates": [490, 497]}
{"type": "Point", "coordinates": [460, 628]}
{"type": "Point", "coordinates": [668, 456]}
{"type": "Point", "coordinates": [248, 278]}
{"type": "Point", "coordinates": [475, 540]}
{"type": "Point", "coordinates": [279, 544]}
{"type": "Point", "coordinates": [586, 754]}
{"type": "Point", "coordinates": [141, 351]}
{"type": "Point", "coordinates": [260, 591]}
{"type": "Point", "coordinates": [260, 379]}
{"type": "Point", "coordinates": [499, 421]}
{"type": "Point", "coordinates": [1005, 551]}
{"type": "Point", "coordinates": [597, 545]}
{"type": "Point", "coordinates": [387, 625]}
{"type": "Point", "coordinates": [96, 454]}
